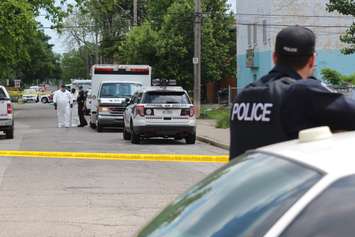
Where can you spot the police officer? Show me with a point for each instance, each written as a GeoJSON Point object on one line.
{"type": "Point", "coordinates": [288, 99]}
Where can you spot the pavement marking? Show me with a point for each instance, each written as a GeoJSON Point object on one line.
{"type": "Point", "coordinates": [115, 156]}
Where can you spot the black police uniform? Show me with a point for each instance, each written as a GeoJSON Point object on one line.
{"type": "Point", "coordinates": [296, 104]}
{"type": "Point", "coordinates": [279, 105]}
{"type": "Point", "coordinates": [256, 112]}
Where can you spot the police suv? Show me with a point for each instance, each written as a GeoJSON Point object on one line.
{"type": "Point", "coordinates": [6, 114]}
{"type": "Point", "coordinates": [160, 111]}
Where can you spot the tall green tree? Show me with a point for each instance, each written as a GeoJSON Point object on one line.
{"type": "Point", "coordinates": [345, 7]}
{"type": "Point", "coordinates": [169, 40]}
{"type": "Point", "coordinates": [73, 66]}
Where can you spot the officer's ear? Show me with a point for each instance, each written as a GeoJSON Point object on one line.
{"type": "Point", "coordinates": [312, 61]}
{"type": "Point", "coordinates": [274, 58]}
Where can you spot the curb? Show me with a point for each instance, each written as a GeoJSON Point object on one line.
{"type": "Point", "coordinates": [212, 142]}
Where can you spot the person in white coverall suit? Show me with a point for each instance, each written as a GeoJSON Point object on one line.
{"type": "Point", "coordinates": [74, 111]}
{"type": "Point", "coordinates": [62, 103]}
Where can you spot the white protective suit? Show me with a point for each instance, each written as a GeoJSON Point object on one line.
{"type": "Point", "coordinates": [63, 101]}
{"type": "Point", "coordinates": [74, 111]}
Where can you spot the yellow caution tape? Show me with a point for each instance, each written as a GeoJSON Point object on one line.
{"type": "Point", "coordinates": [115, 156]}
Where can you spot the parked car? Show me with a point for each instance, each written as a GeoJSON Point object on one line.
{"type": "Point", "coordinates": [30, 95]}
{"type": "Point", "coordinates": [160, 112]}
{"type": "Point", "coordinates": [304, 187]}
{"type": "Point", "coordinates": [46, 97]}
{"type": "Point", "coordinates": [6, 114]}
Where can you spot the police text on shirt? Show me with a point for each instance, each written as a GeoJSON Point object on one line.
{"type": "Point", "coordinates": [252, 112]}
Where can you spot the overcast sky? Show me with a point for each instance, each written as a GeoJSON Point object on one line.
{"type": "Point", "coordinates": [58, 42]}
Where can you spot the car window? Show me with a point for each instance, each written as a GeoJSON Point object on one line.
{"type": "Point", "coordinates": [29, 91]}
{"type": "Point", "coordinates": [113, 90]}
{"type": "Point", "coordinates": [169, 97]}
{"type": "Point", "coordinates": [332, 214]}
{"type": "Point", "coordinates": [2, 93]}
{"type": "Point", "coordinates": [243, 199]}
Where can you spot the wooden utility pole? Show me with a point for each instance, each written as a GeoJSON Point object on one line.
{"type": "Point", "coordinates": [135, 13]}
{"type": "Point", "coordinates": [197, 57]}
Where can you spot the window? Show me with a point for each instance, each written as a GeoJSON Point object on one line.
{"type": "Point", "coordinates": [264, 33]}
{"type": "Point", "coordinates": [249, 36]}
{"type": "Point", "coordinates": [255, 31]}
{"type": "Point", "coordinates": [169, 97]}
{"type": "Point", "coordinates": [114, 90]}
{"type": "Point", "coordinates": [242, 199]}
{"type": "Point", "coordinates": [2, 94]}
{"type": "Point", "coordinates": [332, 214]}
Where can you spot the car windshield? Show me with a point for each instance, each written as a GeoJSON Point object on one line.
{"type": "Point", "coordinates": [243, 199]}
{"type": "Point", "coordinates": [168, 97]}
{"type": "Point", "coordinates": [114, 90]}
{"type": "Point", "coordinates": [29, 91]}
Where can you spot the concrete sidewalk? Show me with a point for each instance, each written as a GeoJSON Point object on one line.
{"type": "Point", "coordinates": [207, 132]}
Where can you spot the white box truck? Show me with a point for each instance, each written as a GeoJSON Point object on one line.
{"type": "Point", "coordinates": [111, 85]}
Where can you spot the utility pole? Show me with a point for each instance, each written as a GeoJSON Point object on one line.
{"type": "Point", "coordinates": [197, 57]}
{"type": "Point", "coordinates": [135, 13]}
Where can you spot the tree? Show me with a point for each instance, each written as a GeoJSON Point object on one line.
{"type": "Point", "coordinates": [73, 66]}
{"type": "Point", "coordinates": [168, 36]}
{"type": "Point", "coordinates": [345, 7]}
{"type": "Point", "coordinates": [42, 64]}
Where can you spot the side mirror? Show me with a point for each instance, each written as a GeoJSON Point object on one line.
{"type": "Point", "coordinates": [128, 100]}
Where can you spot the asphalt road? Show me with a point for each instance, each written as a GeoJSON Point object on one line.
{"type": "Point", "coordinates": [57, 197]}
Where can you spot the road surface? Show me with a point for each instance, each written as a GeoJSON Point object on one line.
{"type": "Point", "coordinates": [64, 197]}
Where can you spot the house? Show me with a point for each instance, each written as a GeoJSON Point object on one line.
{"type": "Point", "coordinates": [259, 21]}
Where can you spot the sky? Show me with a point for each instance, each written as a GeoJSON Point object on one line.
{"type": "Point", "coordinates": [59, 42]}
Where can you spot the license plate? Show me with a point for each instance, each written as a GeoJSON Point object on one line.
{"type": "Point", "coordinates": [167, 112]}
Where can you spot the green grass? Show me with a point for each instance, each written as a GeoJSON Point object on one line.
{"type": "Point", "coordinates": [221, 115]}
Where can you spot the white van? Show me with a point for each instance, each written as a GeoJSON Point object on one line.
{"type": "Point", "coordinates": [111, 86]}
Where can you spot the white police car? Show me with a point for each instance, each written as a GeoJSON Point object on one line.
{"type": "Point", "coordinates": [160, 111]}
{"type": "Point", "coordinates": [304, 187]}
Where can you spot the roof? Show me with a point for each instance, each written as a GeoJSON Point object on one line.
{"type": "Point", "coordinates": [334, 155]}
{"type": "Point", "coordinates": [168, 88]}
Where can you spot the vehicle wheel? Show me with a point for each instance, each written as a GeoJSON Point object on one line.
{"type": "Point", "coordinates": [92, 125]}
{"type": "Point", "coordinates": [191, 139]}
{"type": "Point", "coordinates": [44, 100]}
{"type": "Point", "coordinates": [99, 128]}
{"type": "Point", "coordinates": [10, 133]}
{"type": "Point", "coordinates": [135, 138]}
{"type": "Point", "coordinates": [126, 135]}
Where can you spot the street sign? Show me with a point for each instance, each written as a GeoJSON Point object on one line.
{"type": "Point", "coordinates": [17, 83]}
{"type": "Point", "coordinates": [195, 60]}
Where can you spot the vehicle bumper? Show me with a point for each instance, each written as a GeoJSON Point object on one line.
{"type": "Point", "coordinates": [5, 124]}
{"type": "Point", "coordinates": [110, 120]}
{"type": "Point", "coordinates": [164, 130]}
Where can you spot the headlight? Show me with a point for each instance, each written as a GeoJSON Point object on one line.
{"type": "Point", "coordinates": [104, 109]}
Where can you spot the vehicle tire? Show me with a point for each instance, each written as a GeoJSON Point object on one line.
{"type": "Point", "coordinates": [92, 125]}
{"type": "Point", "coordinates": [135, 138]}
{"type": "Point", "coordinates": [191, 139]}
{"type": "Point", "coordinates": [44, 100]}
{"type": "Point", "coordinates": [126, 135]}
{"type": "Point", "coordinates": [10, 133]}
{"type": "Point", "coordinates": [99, 128]}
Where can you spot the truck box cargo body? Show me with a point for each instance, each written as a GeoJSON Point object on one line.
{"type": "Point", "coordinates": [111, 85]}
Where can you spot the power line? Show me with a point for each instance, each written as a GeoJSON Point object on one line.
{"type": "Point", "coordinates": [290, 15]}
{"type": "Point", "coordinates": [286, 25]}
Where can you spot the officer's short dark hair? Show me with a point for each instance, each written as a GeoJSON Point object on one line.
{"type": "Point", "coordinates": [294, 46]}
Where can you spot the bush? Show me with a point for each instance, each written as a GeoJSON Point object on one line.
{"type": "Point", "coordinates": [220, 114]}
{"type": "Point", "coordinates": [336, 78]}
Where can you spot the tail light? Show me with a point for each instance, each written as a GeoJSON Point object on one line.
{"type": "Point", "coordinates": [192, 111]}
{"type": "Point", "coordinates": [9, 108]}
{"type": "Point", "coordinates": [188, 112]}
{"type": "Point", "coordinates": [140, 110]}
